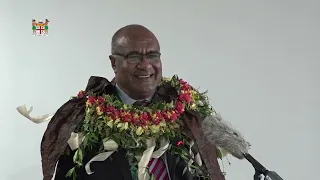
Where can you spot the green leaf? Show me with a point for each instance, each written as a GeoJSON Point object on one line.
{"type": "Point", "coordinates": [152, 177]}
{"type": "Point", "coordinates": [170, 105]}
{"type": "Point", "coordinates": [161, 106]}
{"type": "Point", "coordinates": [85, 140]}
{"type": "Point", "coordinates": [75, 155]}
{"type": "Point", "coordinates": [219, 154]}
{"type": "Point", "coordinates": [71, 172]}
{"type": "Point", "coordinates": [80, 155]}
{"type": "Point", "coordinates": [94, 137]}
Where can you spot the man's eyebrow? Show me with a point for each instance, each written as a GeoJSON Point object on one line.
{"type": "Point", "coordinates": [136, 52]}
{"type": "Point", "coordinates": [132, 52]}
{"type": "Point", "coordinates": [153, 52]}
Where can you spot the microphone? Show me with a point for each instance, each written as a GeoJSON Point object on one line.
{"type": "Point", "coordinates": [261, 170]}
{"type": "Point", "coordinates": [229, 140]}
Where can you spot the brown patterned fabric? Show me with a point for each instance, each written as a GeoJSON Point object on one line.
{"type": "Point", "coordinates": [65, 121]}
{"type": "Point", "coordinates": [208, 152]}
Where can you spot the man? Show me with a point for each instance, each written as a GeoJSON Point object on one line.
{"type": "Point", "coordinates": [135, 59]}
{"type": "Point", "coordinates": [46, 27]}
{"type": "Point", "coordinates": [34, 26]}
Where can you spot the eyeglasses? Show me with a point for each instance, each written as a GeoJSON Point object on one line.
{"type": "Point", "coordinates": [134, 57]}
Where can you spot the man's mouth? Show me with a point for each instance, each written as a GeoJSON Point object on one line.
{"type": "Point", "coordinates": [143, 76]}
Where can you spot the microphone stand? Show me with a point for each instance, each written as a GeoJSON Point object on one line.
{"type": "Point", "coordinates": [261, 170]}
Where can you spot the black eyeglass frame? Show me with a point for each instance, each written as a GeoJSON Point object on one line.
{"type": "Point", "coordinates": [136, 57]}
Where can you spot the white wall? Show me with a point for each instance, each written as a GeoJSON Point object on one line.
{"type": "Point", "coordinates": [258, 59]}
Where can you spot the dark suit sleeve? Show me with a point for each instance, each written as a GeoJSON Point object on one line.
{"type": "Point", "coordinates": [65, 163]}
{"type": "Point", "coordinates": [116, 167]}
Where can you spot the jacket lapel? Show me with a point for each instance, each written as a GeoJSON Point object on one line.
{"type": "Point", "coordinates": [122, 162]}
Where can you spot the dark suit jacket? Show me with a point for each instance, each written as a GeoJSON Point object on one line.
{"type": "Point", "coordinates": [116, 167]}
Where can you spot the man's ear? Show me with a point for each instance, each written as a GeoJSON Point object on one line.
{"type": "Point", "coordinates": [113, 63]}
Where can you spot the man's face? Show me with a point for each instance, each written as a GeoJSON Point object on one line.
{"type": "Point", "coordinates": [137, 65]}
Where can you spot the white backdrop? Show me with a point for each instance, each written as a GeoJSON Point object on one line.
{"type": "Point", "coordinates": [258, 59]}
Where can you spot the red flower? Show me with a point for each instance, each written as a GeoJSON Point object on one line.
{"type": "Point", "coordinates": [185, 97]}
{"type": "Point", "coordinates": [100, 99]}
{"type": "Point", "coordinates": [173, 116]}
{"type": "Point", "coordinates": [110, 109]}
{"type": "Point", "coordinates": [142, 119]}
{"type": "Point", "coordinates": [126, 117]}
{"type": "Point", "coordinates": [158, 118]}
{"type": "Point", "coordinates": [179, 107]}
{"type": "Point", "coordinates": [116, 114]}
{"type": "Point", "coordinates": [165, 116]}
{"type": "Point", "coordinates": [158, 115]}
{"type": "Point", "coordinates": [182, 82]}
{"type": "Point", "coordinates": [185, 87]}
{"type": "Point", "coordinates": [135, 120]}
{"type": "Point", "coordinates": [179, 143]}
{"type": "Point", "coordinates": [91, 100]}
{"type": "Point", "coordinates": [81, 94]}
{"type": "Point", "coordinates": [113, 112]}
{"type": "Point", "coordinates": [144, 116]}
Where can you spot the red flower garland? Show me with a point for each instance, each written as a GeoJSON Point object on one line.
{"type": "Point", "coordinates": [142, 118]}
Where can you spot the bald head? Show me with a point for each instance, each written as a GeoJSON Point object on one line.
{"type": "Point", "coordinates": [131, 34]}
{"type": "Point", "coordinates": [136, 61]}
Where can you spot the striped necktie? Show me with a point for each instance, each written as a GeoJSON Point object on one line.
{"type": "Point", "coordinates": [156, 165]}
{"type": "Point", "coordinates": [158, 169]}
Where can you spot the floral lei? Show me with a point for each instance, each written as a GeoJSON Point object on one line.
{"type": "Point", "coordinates": [109, 121]}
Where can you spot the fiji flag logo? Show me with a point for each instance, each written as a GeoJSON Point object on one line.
{"type": "Point", "coordinates": [40, 28]}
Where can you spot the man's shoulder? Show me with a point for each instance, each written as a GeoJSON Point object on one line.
{"type": "Point", "coordinates": [96, 83]}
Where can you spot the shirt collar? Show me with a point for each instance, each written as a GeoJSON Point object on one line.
{"type": "Point", "coordinates": [127, 99]}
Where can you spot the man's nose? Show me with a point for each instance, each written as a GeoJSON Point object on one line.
{"type": "Point", "coordinates": [144, 64]}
